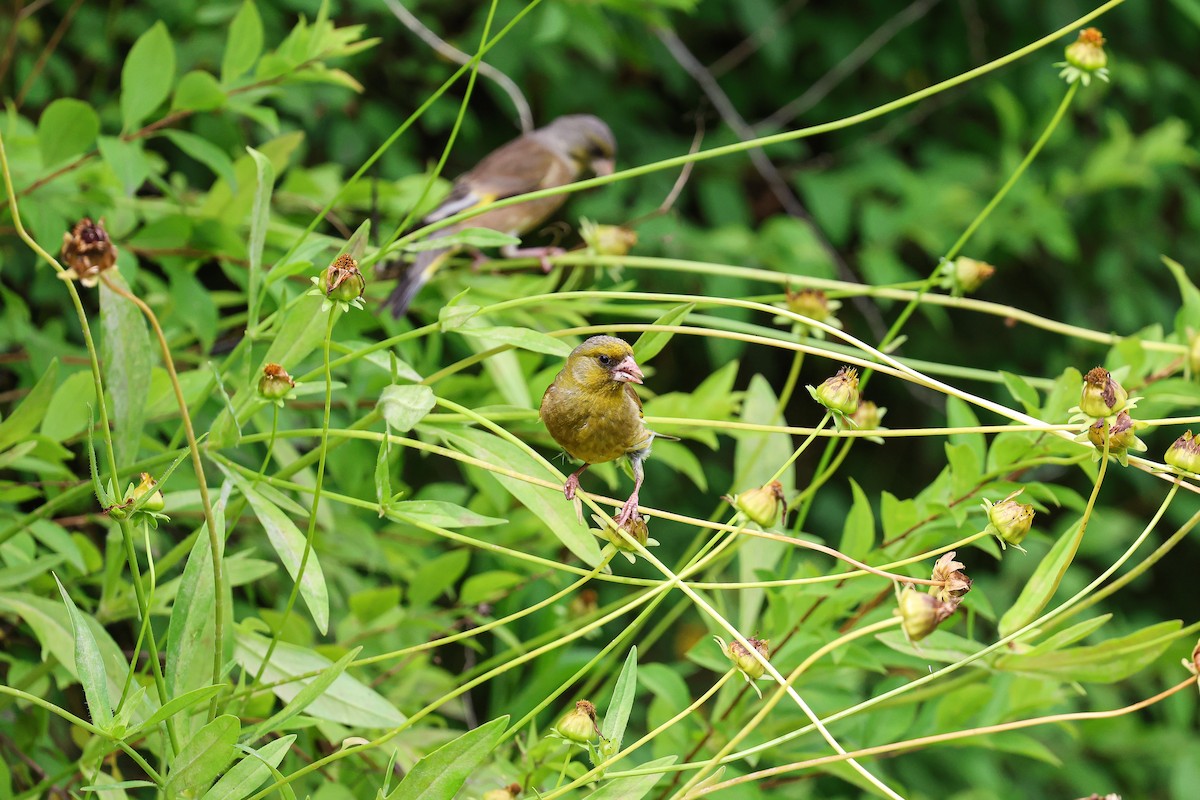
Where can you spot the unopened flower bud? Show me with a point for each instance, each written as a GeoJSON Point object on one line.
{"type": "Point", "coordinates": [955, 582]}
{"type": "Point", "coordinates": [839, 394]}
{"type": "Point", "coordinates": [607, 240]}
{"type": "Point", "coordinates": [1009, 520]}
{"type": "Point", "coordinates": [342, 280]}
{"type": "Point", "coordinates": [635, 528]}
{"type": "Point", "coordinates": [87, 251]}
{"type": "Point", "coordinates": [868, 416]}
{"type": "Point", "coordinates": [969, 274]}
{"type": "Point", "coordinates": [275, 382]}
{"type": "Point", "coordinates": [510, 792]}
{"type": "Point", "coordinates": [1185, 453]}
{"type": "Point", "coordinates": [920, 613]}
{"type": "Point", "coordinates": [811, 303]}
{"type": "Point", "coordinates": [1087, 52]}
{"type": "Point", "coordinates": [745, 661]}
{"type": "Point", "coordinates": [579, 726]}
{"type": "Point", "coordinates": [1121, 434]}
{"type": "Point", "coordinates": [1102, 396]}
{"type": "Point", "coordinates": [761, 505]}
{"type": "Point", "coordinates": [148, 486]}
{"type": "Point", "coordinates": [583, 604]}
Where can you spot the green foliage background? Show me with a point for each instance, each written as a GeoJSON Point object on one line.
{"type": "Point", "coordinates": [1078, 241]}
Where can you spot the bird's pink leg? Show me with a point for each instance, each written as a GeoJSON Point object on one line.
{"type": "Point", "coordinates": [573, 482]}
{"type": "Point", "coordinates": [541, 253]}
{"type": "Point", "coordinates": [629, 510]}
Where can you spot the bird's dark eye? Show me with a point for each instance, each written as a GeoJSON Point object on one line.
{"type": "Point", "coordinates": [605, 360]}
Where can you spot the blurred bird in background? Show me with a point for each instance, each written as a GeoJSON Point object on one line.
{"type": "Point", "coordinates": [558, 154]}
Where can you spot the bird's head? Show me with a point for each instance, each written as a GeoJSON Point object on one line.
{"type": "Point", "coordinates": [603, 362]}
{"type": "Point", "coordinates": [586, 140]}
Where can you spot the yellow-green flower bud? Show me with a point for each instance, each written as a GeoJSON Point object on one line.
{"type": "Point", "coordinates": [275, 382]}
{"type": "Point", "coordinates": [1102, 396]}
{"type": "Point", "coordinates": [920, 613]}
{"type": "Point", "coordinates": [868, 416]}
{"type": "Point", "coordinates": [1087, 52]}
{"type": "Point", "coordinates": [579, 726]}
{"type": "Point", "coordinates": [511, 792]}
{"type": "Point", "coordinates": [636, 529]}
{"type": "Point", "coordinates": [745, 661]}
{"type": "Point", "coordinates": [811, 303]}
{"type": "Point", "coordinates": [1121, 435]}
{"type": "Point", "coordinates": [342, 280]}
{"type": "Point", "coordinates": [87, 251]}
{"type": "Point", "coordinates": [1009, 520]}
{"type": "Point", "coordinates": [969, 274]}
{"type": "Point", "coordinates": [148, 487]}
{"type": "Point", "coordinates": [1185, 453]}
{"type": "Point", "coordinates": [839, 394]}
{"type": "Point", "coordinates": [607, 240]}
{"type": "Point", "coordinates": [761, 505]}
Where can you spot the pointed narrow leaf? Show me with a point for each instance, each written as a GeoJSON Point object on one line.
{"type": "Point", "coordinates": [88, 663]}
{"type": "Point", "coordinates": [524, 338]}
{"type": "Point", "coordinates": [439, 775]}
{"type": "Point", "coordinates": [441, 514]}
{"type": "Point", "coordinates": [311, 691]}
{"type": "Point", "coordinates": [204, 151]}
{"type": "Point", "coordinates": [633, 787]}
{"type": "Point", "coordinates": [203, 757]}
{"type": "Point", "coordinates": [288, 542]}
{"type": "Point", "coordinates": [616, 717]}
{"type": "Point", "coordinates": [652, 341]}
{"type": "Point", "coordinates": [346, 700]}
{"type": "Point", "coordinates": [468, 237]}
{"type": "Point", "coordinates": [66, 128]}
{"type": "Point", "coordinates": [244, 44]}
{"type": "Point", "coordinates": [248, 774]}
{"type": "Point", "coordinates": [191, 631]}
{"type": "Point", "coordinates": [404, 406]}
{"type": "Point", "coordinates": [1042, 585]}
{"type": "Point", "coordinates": [259, 217]}
{"type": "Point", "coordinates": [25, 418]}
{"type": "Point", "coordinates": [125, 349]}
{"type": "Point", "coordinates": [1108, 662]}
{"type": "Point", "coordinates": [190, 700]}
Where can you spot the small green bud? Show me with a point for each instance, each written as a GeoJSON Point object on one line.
{"type": "Point", "coordinates": [761, 505]}
{"type": "Point", "coordinates": [868, 416]}
{"type": "Point", "coordinates": [1185, 453]}
{"type": "Point", "coordinates": [811, 303]}
{"type": "Point", "coordinates": [920, 613]}
{"type": "Point", "coordinates": [839, 394]}
{"type": "Point", "coordinates": [607, 240]}
{"type": "Point", "coordinates": [744, 660]}
{"type": "Point", "coordinates": [148, 484]}
{"type": "Point", "coordinates": [1087, 52]}
{"type": "Point", "coordinates": [275, 382]}
{"type": "Point", "coordinates": [1009, 520]}
{"type": "Point", "coordinates": [579, 726]}
{"type": "Point", "coordinates": [342, 280]}
{"type": "Point", "coordinates": [969, 274]}
{"type": "Point", "coordinates": [1102, 396]}
{"type": "Point", "coordinates": [511, 792]}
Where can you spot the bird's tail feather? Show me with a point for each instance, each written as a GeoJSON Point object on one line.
{"type": "Point", "coordinates": [417, 275]}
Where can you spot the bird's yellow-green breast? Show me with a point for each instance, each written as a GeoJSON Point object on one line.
{"type": "Point", "coordinates": [590, 408]}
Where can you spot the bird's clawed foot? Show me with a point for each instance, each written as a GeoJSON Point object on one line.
{"type": "Point", "coordinates": [542, 254]}
{"type": "Point", "coordinates": [628, 511]}
{"type": "Point", "coordinates": [571, 485]}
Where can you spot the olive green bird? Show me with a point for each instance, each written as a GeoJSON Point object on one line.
{"type": "Point", "coordinates": [555, 155]}
{"type": "Point", "coordinates": [592, 410]}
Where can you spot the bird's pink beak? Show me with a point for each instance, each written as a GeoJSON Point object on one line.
{"type": "Point", "coordinates": [627, 371]}
{"type": "Point", "coordinates": [603, 166]}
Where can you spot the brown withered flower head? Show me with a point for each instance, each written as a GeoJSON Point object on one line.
{"type": "Point", "coordinates": [87, 251]}
{"type": "Point", "coordinates": [955, 582]}
{"type": "Point", "coordinates": [275, 383]}
{"type": "Point", "coordinates": [342, 280]}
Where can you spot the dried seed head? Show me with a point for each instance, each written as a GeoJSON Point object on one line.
{"type": "Point", "coordinates": [1185, 453]}
{"type": "Point", "coordinates": [745, 661]}
{"type": "Point", "coordinates": [839, 394]}
{"type": "Point", "coordinates": [868, 416]}
{"type": "Point", "coordinates": [87, 251]}
{"type": "Point", "coordinates": [921, 613]}
{"type": "Point", "coordinates": [1102, 396]}
{"type": "Point", "coordinates": [342, 280]}
{"type": "Point", "coordinates": [1009, 520]}
{"type": "Point", "coordinates": [579, 726]}
{"type": "Point", "coordinates": [955, 582]}
{"type": "Point", "coordinates": [761, 505]}
{"type": "Point", "coordinates": [275, 382]}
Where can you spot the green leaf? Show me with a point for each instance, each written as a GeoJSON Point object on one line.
{"type": "Point", "coordinates": [1022, 392]}
{"type": "Point", "coordinates": [524, 338]}
{"type": "Point", "coordinates": [1040, 588]}
{"type": "Point", "coordinates": [1190, 295]}
{"type": "Point", "coordinates": [440, 513]}
{"type": "Point", "coordinates": [305, 698]}
{"type": "Point", "coordinates": [652, 341]}
{"type": "Point", "coordinates": [127, 160]}
{"type": "Point", "coordinates": [547, 504]}
{"type": "Point", "coordinates": [633, 787]}
{"type": "Point", "coordinates": [260, 217]}
{"type": "Point", "coordinates": [439, 775]}
{"type": "Point", "coordinates": [616, 717]}
{"type": "Point", "coordinates": [288, 542]}
{"type": "Point", "coordinates": [66, 128]}
{"type": "Point", "coordinates": [244, 44]}
{"type": "Point", "coordinates": [488, 587]}
{"type": "Point", "coordinates": [858, 532]}
{"type": "Point", "coordinates": [406, 405]}
{"type": "Point", "coordinates": [1108, 662]}
{"type": "Point", "coordinates": [70, 408]}
{"type": "Point", "coordinates": [440, 573]}
{"type": "Point", "coordinates": [192, 699]}
{"type": "Point", "coordinates": [346, 701]}
{"type": "Point", "coordinates": [191, 631]}
{"type": "Point", "coordinates": [203, 757]}
{"type": "Point", "coordinates": [89, 664]}
{"type": "Point", "coordinates": [125, 349]}
{"type": "Point", "coordinates": [248, 774]}
{"type": "Point", "coordinates": [147, 75]}
{"type": "Point", "coordinates": [25, 418]}
{"type": "Point", "coordinates": [198, 91]}
{"type": "Point", "coordinates": [205, 152]}
{"type": "Point", "coordinates": [469, 237]}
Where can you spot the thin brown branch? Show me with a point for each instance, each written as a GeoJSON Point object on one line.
{"type": "Point", "coordinates": [47, 51]}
